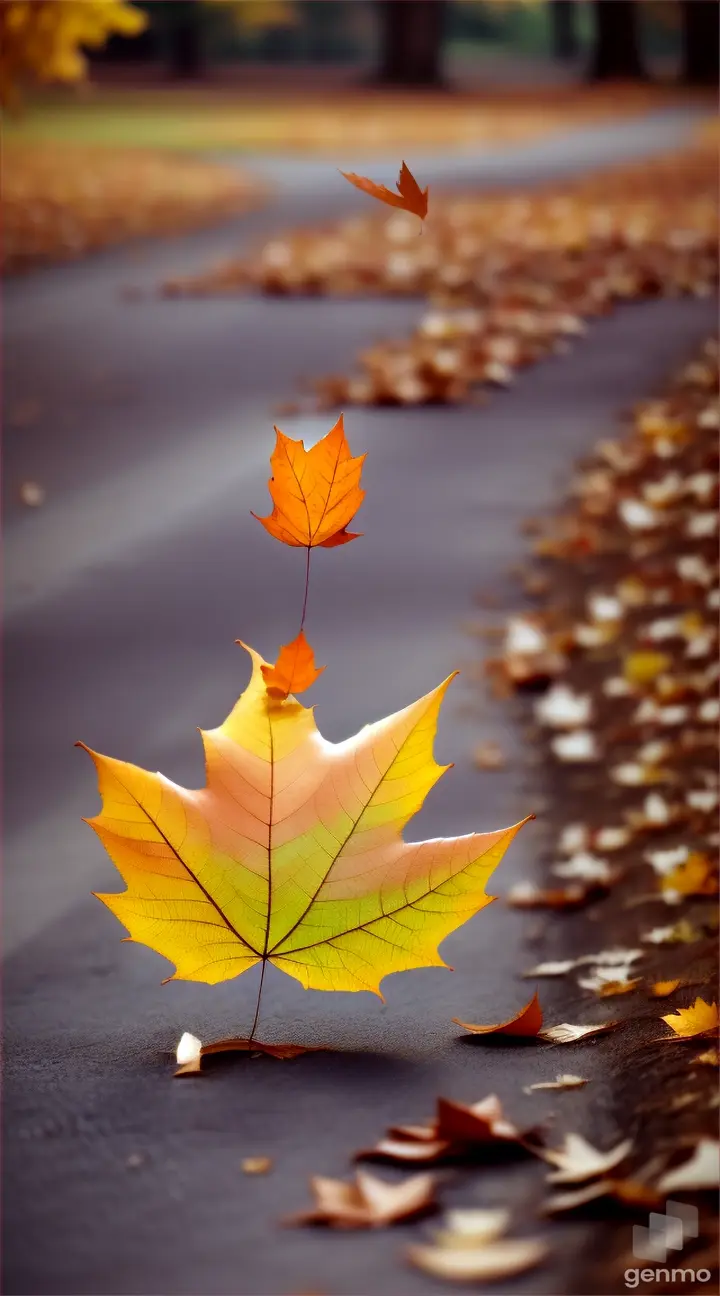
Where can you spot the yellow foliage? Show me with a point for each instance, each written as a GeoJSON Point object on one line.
{"type": "Point", "coordinates": [258, 15]}
{"type": "Point", "coordinates": [43, 40]}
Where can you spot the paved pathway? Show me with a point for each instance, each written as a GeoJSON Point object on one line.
{"type": "Point", "coordinates": [124, 595]}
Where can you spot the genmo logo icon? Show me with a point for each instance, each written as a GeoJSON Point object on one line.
{"type": "Point", "coordinates": [665, 1233]}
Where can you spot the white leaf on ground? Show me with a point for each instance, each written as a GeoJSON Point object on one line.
{"type": "Point", "coordinates": [577, 1160]}
{"type": "Point", "coordinates": [701, 1170]}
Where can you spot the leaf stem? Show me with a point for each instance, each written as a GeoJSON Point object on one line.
{"type": "Point", "coordinates": [257, 1005]}
{"type": "Point", "coordinates": [307, 584]}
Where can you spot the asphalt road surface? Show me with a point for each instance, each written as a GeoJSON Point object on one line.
{"type": "Point", "coordinates": [124, 595]}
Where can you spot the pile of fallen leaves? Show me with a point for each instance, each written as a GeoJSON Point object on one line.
{"type": "Point", "coordinates": [620, 660]}
{"type": "Point", "coordinates": [61, 201]}
{"type": "Point", "coordinates": [510, 277]}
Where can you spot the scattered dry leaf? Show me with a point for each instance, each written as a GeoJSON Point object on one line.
{"type": "Point", "coordinates": [256, 1165]}
{"type": "Point", "coordinates": [627, 1192]}
{"type": "Point", "coordinates": [565, 1033]}
{"type": "Point", "coordinates": [701, 1170]}
{"type": "Point", "coordinates": [488, 756]}
{"type": "Point", "coordinates": [32, 494]}
{"type": "Point", "coordinates": [561, 1082]}
{"type": "Point", "coordinates": [457, 1132]}
{"type": "Point", "coordinates": [577, 1160]}
{"type": "Point", "coordinates": [496, 1260]}
{"type": "Point", "coordinates": [369, 1202]}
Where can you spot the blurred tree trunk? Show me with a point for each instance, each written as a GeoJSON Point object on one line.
{"type": "Point", "coordinates": [616, 53]}
{"type": "Point", "coordinates": [701, 39]}
{"type": "Point", "coordinates": [564, 36]}
{"type": "Point", "coordinates": [184, 27]}
{"type": "Point", "coordinates": [411, 39]}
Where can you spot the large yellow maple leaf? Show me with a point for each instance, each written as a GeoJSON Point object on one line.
{"type": "Point", "coordinates": [293, 851]}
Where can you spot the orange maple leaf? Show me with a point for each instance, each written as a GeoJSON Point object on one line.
{"type": "Point", "coordinates": [315, 492]}
{"type": "Point", "coordinates": [294, 670]}
{"type": "Point", "coordinates": [410, 197]}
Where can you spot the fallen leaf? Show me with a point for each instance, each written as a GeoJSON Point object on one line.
{"type": "Point", "coordinates": [561, 1082]}
{"type": "Point", "coordinates": [257, 1165]}
{"type": "Point", "coordinates": [315, 492]}
{"type": "Point", "coordinates": [190, 1051]}
{"type": "Point", "coordinates": [688, 1023]}
{"type": "Point", "coordinates": [644, 667]}
{"type": "Point", "coordinates": [489, 756]}
{"type": "Point", "coordinates": [410, 197]}
{"type": "Point", "coordinates": [294, 671]}
{"type": "Point", "coordinates": [694, 876]}
{"type": "Point", "coordinates": [279, 795]}
{"type": "Point", "coordinates": [32, 494]}
{"type": "Point", "coordinates": [577, 1160]}
{"type": "Point", "coordinates": [709, 1058]}
{"type": "Point", "coordinates": [525, 895]}
{"type": "Point", "coordinates": [680, 933]}
{"type": "Point", "coordinates": [483, 1264]}
{"type": "Point", "coordinates": [526, 1022]}
{"type": "Point", "coordinates": [661, 989]}
{"type": "Point", "coordinates": [465, 1229]}
{"type": "Point", "coordinates": [369, 1202]}
{"type": "Point", "coordinates": [610, 981]}
{"type": "Point", "coordinates": [701, 1170]}
{"type": "Point", "coordinates": [565, 1033]}
{"type": "Point", "coordinates": [626, 1191]}
{"type": "Point", "coordinates": [587, 868]}
{"type": "Point", "coordinates": [457, 1131]}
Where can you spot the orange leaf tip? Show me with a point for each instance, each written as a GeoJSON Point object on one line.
{"type": "Point", "coordinates": [295, 669]}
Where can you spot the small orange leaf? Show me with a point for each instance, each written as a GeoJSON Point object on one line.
{"type": "Point", "coordinates": [527, 1022]}
{"type": "Point", "coordinates": [294, 670]}
{"type": "Point", "coordinates": [700, 1019]}
{"type": "Point", "coordinates": [693, 877]}
{"type": "Point", "coordinates": [410, 197]}
{"type": "Point", "coordinates": [661, 989]}
{"type": "Point", "coordinates": [315, 492]}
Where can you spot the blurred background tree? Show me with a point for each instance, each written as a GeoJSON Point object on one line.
{"type": "Point", "coordinates": [404, 43]}
{"type": "Point", "coordinates": [43, 40]}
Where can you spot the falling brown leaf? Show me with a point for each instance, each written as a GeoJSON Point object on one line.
{"type": "Point", "coordinates": [410, 197]}
{"type": "Point", "coordinates": [577, 1160]}
{"type": "Point", "coordinates": [465, 1229]}
{"type": "Point", "coordinates": [526, 1023]}
{"type": "Point", "coordinates": [256, 1165]}
{"type": "Point", "coordinates": [565, 1033]}
{"type": "Point", "coordinates": [369, 1202]}
{"type": "Point", "coordinates": [701, 1019]}
{"type": "Point", "coordinates": [496, 1260]}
